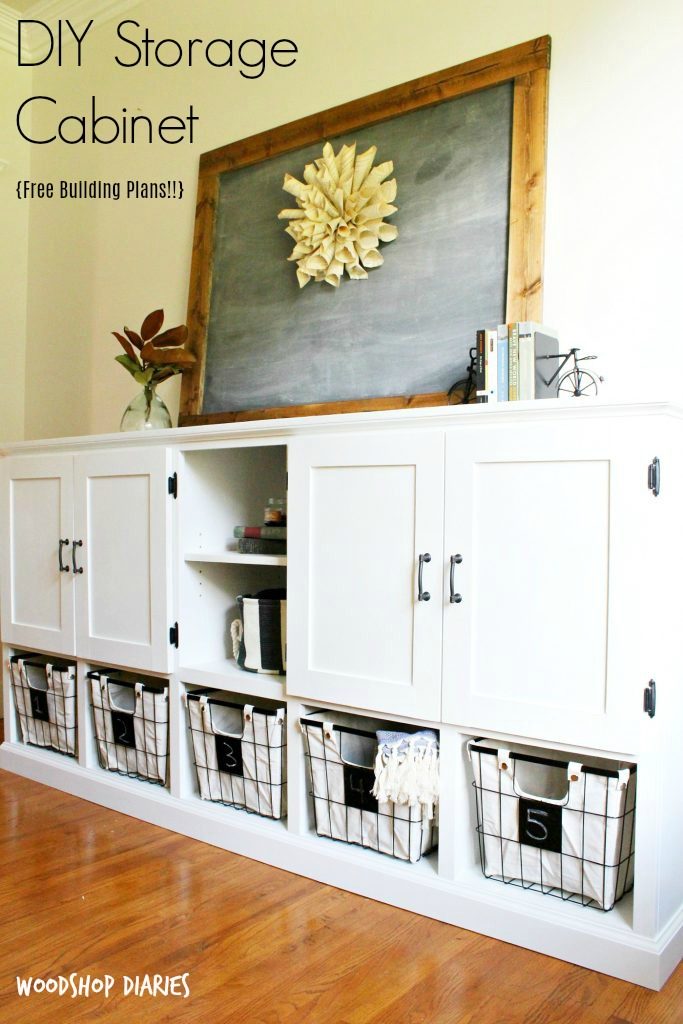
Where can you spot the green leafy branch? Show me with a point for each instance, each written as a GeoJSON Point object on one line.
{"type": "Point", "coordinates": [151, 357]}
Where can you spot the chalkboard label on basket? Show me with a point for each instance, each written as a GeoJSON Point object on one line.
{"type": "Point", "coordinates": [124, 728]}
{"type": "Point", "coordinates": [39, 705]}
{"type": "Point", "coordinates": [540, 825]}
{"type": "Point", "coordinates": [229, 755]}
{"type": "Point", "coordinates": [358, 783]}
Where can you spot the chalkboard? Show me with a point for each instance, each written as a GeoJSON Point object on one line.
{"type": "Point", "coordinates": [268, 347]}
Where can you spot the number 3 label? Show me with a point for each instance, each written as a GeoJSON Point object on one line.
{"type": "Point", "coordinates": [229, 755]}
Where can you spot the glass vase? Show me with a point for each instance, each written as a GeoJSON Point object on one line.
{"type": "Point", "coordinates": [146, 412]}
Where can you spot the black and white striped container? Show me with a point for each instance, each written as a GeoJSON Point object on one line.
{"type": "Point", "coordinates": [260, 634]}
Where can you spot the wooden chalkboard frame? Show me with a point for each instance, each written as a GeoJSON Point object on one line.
{"type": "Point", "coordinates": [525, 65]}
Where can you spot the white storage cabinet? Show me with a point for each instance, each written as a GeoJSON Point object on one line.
{"type": "Point", "coordinates": [85, 542]}
{"type": "Point", "coordinates": [551, 622]}
{"type": "Point", "coordinates": [533, 575]}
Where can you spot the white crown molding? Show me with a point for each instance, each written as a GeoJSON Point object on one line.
{"type": "Point", "coordinates": [79, 13]}
{"type": "Point", "coordinates": [8, 29]}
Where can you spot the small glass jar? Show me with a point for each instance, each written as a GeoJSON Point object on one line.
{"type": "Point", "coordinates": [275, 512]}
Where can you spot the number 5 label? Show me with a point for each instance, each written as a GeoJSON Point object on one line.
{"type": "Point", "coordinates": [540, 825]}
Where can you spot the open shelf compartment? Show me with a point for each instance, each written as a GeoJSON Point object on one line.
{"type": "Point", "coordinates": [341, 752]}
{"type": "Point", "coordinates": [547, 822]}
{"type": "Point", "coordinates": [223, 488]}
{"type": "Point", "coordinates": [234, 751]}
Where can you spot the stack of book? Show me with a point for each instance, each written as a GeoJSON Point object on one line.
{"type": "Point", "coordinates": [261, 540]}
{"type": "Point", "coordinates": [515, 362]}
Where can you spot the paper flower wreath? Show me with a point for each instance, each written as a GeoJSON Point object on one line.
{"type": "Point", "coordinates": [339, 220]}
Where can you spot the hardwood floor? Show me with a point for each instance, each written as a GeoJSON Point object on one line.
{"type": "Point", "coordinates": [87, 890]}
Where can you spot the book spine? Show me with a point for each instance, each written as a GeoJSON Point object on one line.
{"type": "Point", "coordinates": [252, 546]}
{"type": "Point", "coordinates": [481, 366]}
{"type": "Point", "coordinates": [492, 365]}
{"type": "Point", "coordinates": [526, 386]}
{"type": "Point", "coordinates": [503, 369]}
{"type": "Point", "coordinates": [261, 532]}
{"type": "Point", "coordinates": [513, 362]}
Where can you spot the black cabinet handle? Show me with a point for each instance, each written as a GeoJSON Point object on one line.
{"type": "Point", "coordinates": [650, 698]}
{"type": "Point", "coordinates": [455, 560]}
{"type": "Point", "coordinates": [63, 543]}
{"type": "Point", "coordinates": [76, 544]}
{"type": "Point", "coordinates": [422, 595]}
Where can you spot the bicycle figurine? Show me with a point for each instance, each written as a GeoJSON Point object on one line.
{"type": "Point", "coordinates": [575, 382]}
{"type": "Point", "coordinates": [465, 389]}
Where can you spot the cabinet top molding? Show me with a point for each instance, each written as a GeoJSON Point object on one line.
{"type": "Point", "coordinates": [535, 413]}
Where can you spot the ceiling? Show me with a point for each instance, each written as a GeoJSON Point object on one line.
{"type": "Point", "coordinates": [21, 6]}
{"type": "Point", "coordinates": [79, 11]}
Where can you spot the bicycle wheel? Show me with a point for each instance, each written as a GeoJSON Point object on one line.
{"type": "Point", "coordinates": [462, 392]}
{"type": "Point", "coordinates": [576, 384]}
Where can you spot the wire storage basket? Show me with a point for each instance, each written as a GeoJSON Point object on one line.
{"type": "Point", "coordinates": [240, 753]}
{"type": "Point", "coordinates": [562, 827]}
{"type": "Point", "coordinates": [45, 699]}
{"type": "Point", "coordinates": [340, 759]}
{"type": "Point", "coordinates": [131, 726]}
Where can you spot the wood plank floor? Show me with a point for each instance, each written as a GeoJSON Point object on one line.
{"type": "Point", "coordinates": [87, 890]}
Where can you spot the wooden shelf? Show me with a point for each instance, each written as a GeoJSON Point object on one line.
{"type": "Point", "coordinates": [227, 675]}
{"type": "Point", "coordinates": [235, 557]}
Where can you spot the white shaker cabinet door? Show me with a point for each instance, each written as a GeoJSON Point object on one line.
{"type": "Point", "coordinates": [37, 525]}
{"type": "Point", "coordinates": [362, 510]}
{"type": "Point", "coordinates": [122, 520]}
{"type": "Point", "coordinates": [545, 531]}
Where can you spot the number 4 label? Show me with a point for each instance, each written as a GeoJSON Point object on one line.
{"type": "Point", "coordinates": [540, 825]}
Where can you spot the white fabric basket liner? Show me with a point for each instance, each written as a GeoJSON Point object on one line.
{"type": "Point", "coordinates": [59, 685]}
{"type": "Point", "coordinates": [399, 831]}
{"type": "Point", "coordinates": [597, 814]}
{"type": "Point", "coordinates": [262, 786]}
{"type": "Point", "coordinates": [149, 709]}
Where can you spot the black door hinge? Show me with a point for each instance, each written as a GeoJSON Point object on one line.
{"type": "Point", "coordinates": [653, 476]}
{"type": "Point", "coordinates": [650, 698]}
{"type": "Point", "coordinates": [173, 485]}
{"type": "Point", "coordinates": [174, 635]}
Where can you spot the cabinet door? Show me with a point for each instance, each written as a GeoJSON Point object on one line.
{"type": "Point", "coordinates": [362, 509]}
{"type": "Point", "coordinates": [122, 517]}
{"type": "Point", "coordinates": [37, 512]}
{"type": "Point", "coordinates": [549, 638]}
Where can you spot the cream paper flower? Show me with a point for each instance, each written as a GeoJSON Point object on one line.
{"type": "Point", "coordinates": [339, 222]}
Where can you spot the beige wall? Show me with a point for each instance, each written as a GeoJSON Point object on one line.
{"type": "Point", "coordinates": [613, 215]}
{"type": "Point", "coordinates": [14, 227]}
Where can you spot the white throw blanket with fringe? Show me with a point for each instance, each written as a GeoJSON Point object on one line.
{"type": "Point", "coordinates": [407, 769]}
